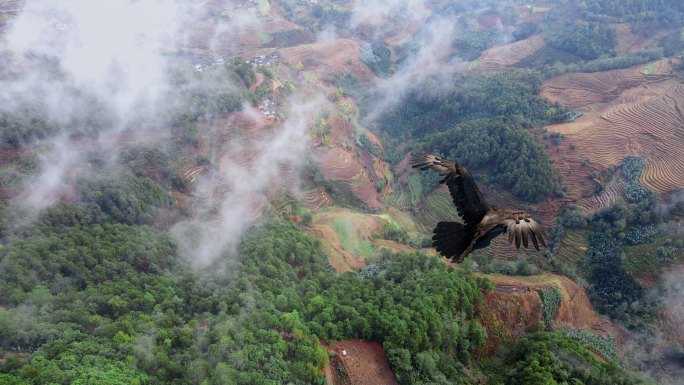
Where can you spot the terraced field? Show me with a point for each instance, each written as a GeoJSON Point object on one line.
{"type": "Point", "coordinates": [316, 199]}
{"type": "Point", "coordinates": [435, 207]}
{"type": "Point", "coordinates": [639, 115]}
{"type": "Point", "coordinates": [328, 58]}
{"type": "Point", "coordinates": [500, 248]}
{"type": "Point", "coordinates": [401, 37]}
{"type": "Point", "coordinates": [652, 128]}
{"type": "Point", "coordinates": [247, 37]}
{"type": "Point", "coordinates": [573, 247]}
{"type": "Point", "coordinates": [505, 56]}
{"type": "Point", "coordinates": [342, 166]}
{"type": "Point", "coordinates": [626, 39]}
{"type": "Point", "coordinates": [342, 132]}
{"type": "Point", "coordinates": [582, 89]}
{"type": "Point", "coordinates": [347, 237]}
{"type": "Point", "coordinates": [606, 198]}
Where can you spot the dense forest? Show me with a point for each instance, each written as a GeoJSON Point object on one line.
{"type": "Point", "coordinates": [95, 298]}
{"type": "Point", "coordinates": [94, 294]}
{"type": "Point", "coordinates": [662, 12]}
{"type": "Point", "coordinates": [483, 123]}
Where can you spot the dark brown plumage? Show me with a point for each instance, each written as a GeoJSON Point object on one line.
{"type": "Point", "coordinates": [481, 221]}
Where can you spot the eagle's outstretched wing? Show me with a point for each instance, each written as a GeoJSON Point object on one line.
{"type": "Point", "coordinates": [520, 226]}
{"type": "Point", "coordinates": [469, 202]}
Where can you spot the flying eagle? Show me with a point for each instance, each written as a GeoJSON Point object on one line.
{"type": "Point", "coordinates": [481, 221]}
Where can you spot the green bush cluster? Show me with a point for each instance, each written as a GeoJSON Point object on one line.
{"type": "Point", "coordinates": [586, 40]}
{"type": "Point", "coordinates": [550, 300]}
{"type": "Point", "coordinates": [602, 345]}
{"type": "Point", "coordinates": [124, 198]}
{"type": "Point", "coordinates": [555, 358]}
{"type": "Point", "coordinates": [472, 43]}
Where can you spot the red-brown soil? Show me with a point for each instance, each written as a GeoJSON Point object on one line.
{"type": "Point", "coordinates": [507, 314]}
{"type": "Point", "coordinates": [347, 168]}
{"type": "Point", "coordinates": [328, 59]}
{"type": "Point", "coordinates": [365, 363]}
{"type": "Point", "coordinates": [515, 305]}
{"type": "Point", "coordinates": [582, 89]}
{"type": "Point", "coordinates": [626, 112]}
{"type": "Point", "coordinates": [504, 56]}
{"type": "Point", "coordinates": [316, 199]}
{"type": "Point", "coordinates": [645, 121]}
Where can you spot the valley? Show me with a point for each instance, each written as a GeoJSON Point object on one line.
{"type": "Point", "coordinates": [274, 231]}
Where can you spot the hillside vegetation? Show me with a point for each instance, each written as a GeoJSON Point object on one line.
{"type": "Point", "coordinates": [482, 122]}
{"type": "Point", "coordinates": [254, 219]}
{"type": "Point", "coordinates": [94, 298]}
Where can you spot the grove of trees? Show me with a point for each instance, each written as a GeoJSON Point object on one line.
{"type": "Point", "coordinates": [482, 123]}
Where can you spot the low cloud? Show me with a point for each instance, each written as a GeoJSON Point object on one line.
{"type": "Point", "coordinates": [89, 67]}
{"type": "Point", "coordinates": [247, 170]}
{"type": "Point", "coordinates": [375, 12]}
{"type": "Point", "coordinates": [432, 58]}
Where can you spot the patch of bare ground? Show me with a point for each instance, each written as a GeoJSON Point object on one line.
{"type": "Point", "coordinates": [342, 133]}
{"type": "Point", "coordinates": [328, 59]}
{"type": "Point", "coordinates": [515, 305]}
{"type": "Point", "coordinates": [532, 13]}
{"type": "Point", "coordinates": [508, 55]}
{"type": "Point", "coordinates": [507, 314]}
{"type": "Point", "coordinates": [362, 362]}
{"type": "Point", "coordinates": [626, 38]}
{"type": "Point", "coordinates": [349, 238]}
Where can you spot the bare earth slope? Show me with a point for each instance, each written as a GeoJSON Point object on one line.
{"type": "Point", "coordinates": [515, 305]}
{"type": "Point", "coordinates": [628, 113]}
{"type": "Point", "coordinates": [508, 55]}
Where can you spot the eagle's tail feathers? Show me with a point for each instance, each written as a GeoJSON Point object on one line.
{"type": "Point", "coordinates": [453, 239]}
